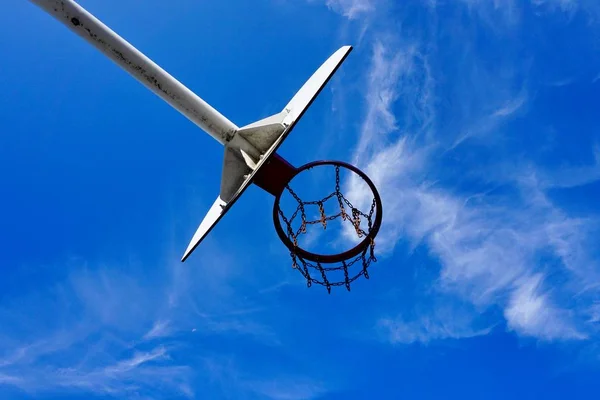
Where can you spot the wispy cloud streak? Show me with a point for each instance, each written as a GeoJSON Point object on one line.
{"type": "Point", "coordinates": [351, 9]}
{"type": "Point", "coordinates": [490, 241]}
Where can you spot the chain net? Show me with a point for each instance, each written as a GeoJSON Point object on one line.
{"type": "Point", "coordinates": [318, 272]}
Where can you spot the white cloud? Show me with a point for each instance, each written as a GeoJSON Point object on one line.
{"type": "Point", "coordinates": [119, 378]}
{"type": "Point", "coordinates": [351, 9]}
{"type": "Point", "coordinates": [511, 107]}
{"type": "Point", "coordinates": [107, 331]}
{"type": "Point", "coordinates": [569, 176]}
{"type": "Point", "coordinates": [138, 359]}
{"type": "Point", "coordinates": [488, 244]}
{"type": "Point", "coordinates": [497, 14]}
{"type": "Point", "coordinates": [394, 164]}
{"type": "Point", "coordinates": [594, 313]}
{"type": "Point", "coordinates": [562, 5]}
{"type": "Point", "coordinates": [10, 380]}
{"type": "Point", "coordinates": [237, 381]}
{"type": "Point", "coordinates": [160, 329]}
{"type": "Point", "coordinates": [442, 321]}
{"type": "Point", "coordinates": [93, 342]}
{"type": "Point", "coordinates": [500, 14]}
{"type": "Point", "coordinates": [530, 312]}
{"type": "Point", "coordinates": [389, 69]}
{"type": "Point", "coordinates": [101, 332]}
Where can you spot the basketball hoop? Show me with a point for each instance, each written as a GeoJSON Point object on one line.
{"type": "Point", "coordinates": [319, 268]}
{"type": "Point", "coordinates": [250, 155]}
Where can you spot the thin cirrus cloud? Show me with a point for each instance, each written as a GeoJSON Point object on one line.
{"type": "Point", "coordinates": [160, 328]}
{"type": "Point", "coordinates": [86, 346]}
{"type": "Point", "coordinates": [489, 243]}
{"type": "Point", "coordinates": [117, 377]}
{"type": "Point", "coordinates": [351, 9]}
{"type": "Point", "coordinates": [91, 343]}
{"type": "Point", "coordinates": [162, 332]}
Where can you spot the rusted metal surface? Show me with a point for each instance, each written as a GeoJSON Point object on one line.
{"type": "Point", "coordinates": [84, 24]}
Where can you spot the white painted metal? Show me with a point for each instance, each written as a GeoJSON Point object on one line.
{"type": "Point", "coordinates": [262, 134]}
{"type": "Point", "coordinates": [290, 115]}
{"type": "Point", "coordinates": [84, 24]}
{"type": "Point", "coordinates": [246, 149]}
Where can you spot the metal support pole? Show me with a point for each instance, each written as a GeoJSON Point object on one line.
{"type": "Point", "coordinates": [84, 24]}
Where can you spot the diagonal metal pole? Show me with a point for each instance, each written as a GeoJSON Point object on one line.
{"type": "Point", "coordinates": [126, 56]}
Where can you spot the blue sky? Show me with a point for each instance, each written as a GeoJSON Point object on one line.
{"type": "Point", "coordinates": [476, 119]}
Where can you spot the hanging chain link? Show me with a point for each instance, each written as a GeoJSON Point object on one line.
{"type": "Point", "coordinates": [364, 259]}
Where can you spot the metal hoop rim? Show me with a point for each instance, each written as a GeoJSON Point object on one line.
{"type": "Point", "coordinates": [330, 258]}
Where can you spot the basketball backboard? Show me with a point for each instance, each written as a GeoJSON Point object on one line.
{"type": "Point", "coordinates": [247, 149]}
